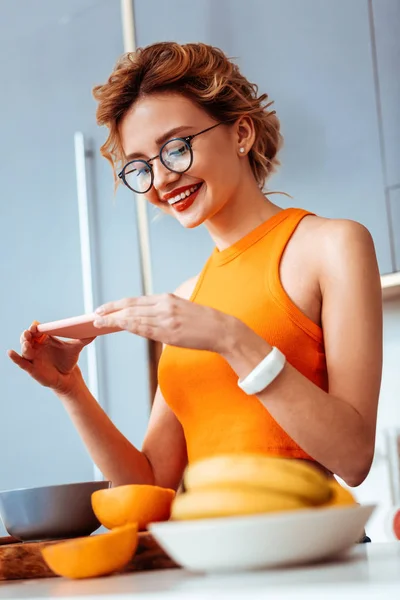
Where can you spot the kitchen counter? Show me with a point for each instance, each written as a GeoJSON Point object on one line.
{"type": "Point", "coordinates": [369, 571]}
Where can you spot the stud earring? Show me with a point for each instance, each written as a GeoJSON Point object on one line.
{"type": "Point", "coordinates": [241, 150]}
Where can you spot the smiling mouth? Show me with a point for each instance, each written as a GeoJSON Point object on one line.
{"type": "Point", "coordinates": [184, 195]}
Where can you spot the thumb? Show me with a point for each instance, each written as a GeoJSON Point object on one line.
{"type": "Point", "coordinates": [24, 364]}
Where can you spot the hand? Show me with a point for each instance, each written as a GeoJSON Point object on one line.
{"type": "Point", "coordinates": [49, 360]}
{"type": "Point", "coordinates": [169, 319]}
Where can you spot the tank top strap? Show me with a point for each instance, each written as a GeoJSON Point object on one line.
{"type": "Point", "coordinates": [282, 236]}
{"type": "Point", "coordinates": [284, 232]}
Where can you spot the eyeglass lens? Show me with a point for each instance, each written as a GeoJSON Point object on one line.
{"type": "Point", "coordinates": [176, 155]}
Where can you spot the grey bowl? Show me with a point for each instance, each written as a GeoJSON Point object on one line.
{"type": "Point", "coordinates": [51, 512]}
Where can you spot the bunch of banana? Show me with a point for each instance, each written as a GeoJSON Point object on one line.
{"type": "Point", "coordinates": [240, 484]}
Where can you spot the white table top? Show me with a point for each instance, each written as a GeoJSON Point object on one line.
{"type": "Point", "coordinates": [370, 571]}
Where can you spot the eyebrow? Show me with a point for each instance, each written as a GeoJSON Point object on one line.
{"type": "Point", "coordinates": [166, 136]}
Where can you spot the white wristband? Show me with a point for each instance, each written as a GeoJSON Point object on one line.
{"type": "Point", "coordinates": [264, 373]}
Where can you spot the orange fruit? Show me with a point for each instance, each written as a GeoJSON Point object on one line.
{"type": "Point", "coordinates": [92, 556]}
{"type": "Point", "coordinates": [139, 504]}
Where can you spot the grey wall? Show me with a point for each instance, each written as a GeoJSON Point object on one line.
{"type": "Point", "coordinates": [315, 59]}
{"type": "Point", "coordinates": [51, 55]}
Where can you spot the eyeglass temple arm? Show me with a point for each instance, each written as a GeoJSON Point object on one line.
{"type": "Point", "coordinates": [190, 137]}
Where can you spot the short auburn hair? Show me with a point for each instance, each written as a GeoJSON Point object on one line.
{"type": "Point", "coordinates": [203, 74]}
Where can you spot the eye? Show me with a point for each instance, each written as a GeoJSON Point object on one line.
{"type": "Point", "coordinates": [178, 151]}
{"type": "Point", "coordinates": [143, 171]}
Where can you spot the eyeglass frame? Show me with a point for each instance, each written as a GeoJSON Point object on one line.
{"type": "Point", "coordinates": [187, 139]}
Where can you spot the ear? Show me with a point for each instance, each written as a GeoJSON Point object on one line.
{"type": "Point", "coordinates": [245, 135]}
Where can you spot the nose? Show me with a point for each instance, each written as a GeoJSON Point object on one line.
{"type": "Point", "coordinates": [163, 177]}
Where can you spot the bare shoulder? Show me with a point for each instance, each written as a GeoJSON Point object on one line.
{"type": "Point", "coordinates": [326, 231]}
{"type": "Point", "coordinates": [185, 290]}
{"type": "Point", "coordinates": [340, 230]}
{"type": "Point", "coordinates": [337, 245]}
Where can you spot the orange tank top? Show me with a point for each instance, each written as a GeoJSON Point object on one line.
{"type": "Point", "coordinates": [200, 386]}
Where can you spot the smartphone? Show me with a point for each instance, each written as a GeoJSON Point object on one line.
{"type": "Point", "coordinates": [77, 328]}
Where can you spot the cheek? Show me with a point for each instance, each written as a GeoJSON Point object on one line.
{"type": "Point", "coordinates": [213, 168]}
{"type": "Point", "coordinates": [152, 196]}
{"type": "Point", "coordinates": [224, 170]}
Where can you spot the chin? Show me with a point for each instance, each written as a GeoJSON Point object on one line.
{"type": "Point", "coordinates": [192, 223]}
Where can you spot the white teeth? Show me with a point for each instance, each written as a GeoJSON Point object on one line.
{"type": "Point", "coordinates": [183, 195]}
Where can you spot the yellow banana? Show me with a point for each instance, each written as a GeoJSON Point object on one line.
{"type": "Point", "coordinates": [341, 496]}
{"type": "Point", "coordinates": [280, 475]}
{"type": "Point", "coordinates": [213, 502]}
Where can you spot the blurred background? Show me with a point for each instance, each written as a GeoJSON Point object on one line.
{"type": "Point", "coordinates": [332, 68]}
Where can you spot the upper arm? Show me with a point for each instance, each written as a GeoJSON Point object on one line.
{"type": "Point", "coordinates": [164, 444]}
{"type": "Point", "coordinates": [352, 317]}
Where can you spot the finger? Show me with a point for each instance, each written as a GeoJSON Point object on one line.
{"type": "Point", "coordinates": [111, 307]}
{"type": "Point", "coordinates": [150, 332]}
{"type": "Point", "coordinates": [125, 321]}
{"type": "Point", "coordinates": [147, 328]}
{"type": "Point", "coordinates": [33, 327]}
{"type": "Point", "coordinates": [34, 330]}
{"type": "Point", "coordinates": [135, 312]}
{"type": "Point", "coordinates": [26, 336]}
{"type": "Point", "coordinates": [27, 351]}
{"type": "Point", "coordinates": [125, 314]}
{"type": "Point", "coordinates": [39, 338]}
{"type": "Point", "coordinates": [18, 360]}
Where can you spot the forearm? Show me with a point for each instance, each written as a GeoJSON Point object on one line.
{"type": "Point", "coordinates": [115, 456]}
{"type": "Point", "coordinates": [328, 428]}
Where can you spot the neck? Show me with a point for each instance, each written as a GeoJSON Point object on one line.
{"type": "Point", "coordinates": [242, 213]}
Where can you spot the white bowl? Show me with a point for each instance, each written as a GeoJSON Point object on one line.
{"type": "Point", "coordinates": [261, 541]}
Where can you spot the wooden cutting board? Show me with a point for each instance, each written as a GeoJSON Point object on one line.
{"type": "Point", "coordinates": [24, 560]}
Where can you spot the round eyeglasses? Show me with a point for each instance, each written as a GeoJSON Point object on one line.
{"type": "Point", "coordinates": [176, 155]}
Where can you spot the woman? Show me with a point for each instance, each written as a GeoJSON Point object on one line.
{"type": "Point", "coordinates": [188, 131]}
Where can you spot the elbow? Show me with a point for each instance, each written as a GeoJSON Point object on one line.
{"type": "Point", "coordinates": [355, 479]}
{"type": "Point", "coordinates": [356, 471]}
